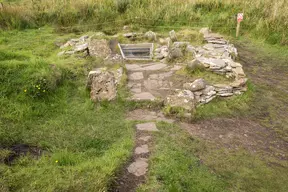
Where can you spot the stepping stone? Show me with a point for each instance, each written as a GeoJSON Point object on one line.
{"type": "Point", "coordinates": [139, 167]}
{"type": "Point", "coordinates": [155, 67]}
{"type": "Point", "coordinates": [147, 127]}
{"type": "Point", "coordinates": [142, 149]}
{"type": "Point", "coordinates": [176, 68]}
{"type": "Point", "coordinates": [136, 76]}
{"type": "Point", "coordinates": [145, 138]}
{"type": "Point", "coordinates": [144, 96]}
{"type": "Point", "coordinates": [133, 67]}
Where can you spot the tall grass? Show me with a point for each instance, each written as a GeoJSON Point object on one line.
{"type": "Point", "coordinates": [263, 18]}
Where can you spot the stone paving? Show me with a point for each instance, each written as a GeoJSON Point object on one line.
{"type": "Point", "coordinates": [147, 82]}
{"type": "Point", "coordinates": [140, 166]}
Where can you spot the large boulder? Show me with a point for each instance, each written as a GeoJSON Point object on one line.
{"type": "Point", "coordinates": [197, 85]}
{"type": "Point", "coordinates": [103, 84]}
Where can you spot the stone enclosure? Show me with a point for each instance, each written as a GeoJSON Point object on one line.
{"type": "Point", "coordinates": [158, 79]}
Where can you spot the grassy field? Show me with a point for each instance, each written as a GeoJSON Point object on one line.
{"type": "Point", "coordinates": [83, 145]}
{"type": "Point", "coordinates": [86, 144]}
{"type": "Point", "coordinates": [265, 20]}
{"type": "Point", "coordinates": [44, 101]}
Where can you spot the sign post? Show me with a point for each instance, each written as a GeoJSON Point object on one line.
{"type": "Point", "coordinates": [239, 19]}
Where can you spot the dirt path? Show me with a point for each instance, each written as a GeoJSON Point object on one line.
{"type": "Point", "coordinates": [264, 128]}
{"type": "Point", "coordinates": [134, 172]}
{"type": "Point", "coordinates": [270, 76]}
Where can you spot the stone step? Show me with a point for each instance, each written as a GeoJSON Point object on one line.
{"type": "Point", "coordinates": [139, 167]}
{"type": "Point", "coordinates": [143, 149]}
{"type": "Point", "coordinates": [151, 127]}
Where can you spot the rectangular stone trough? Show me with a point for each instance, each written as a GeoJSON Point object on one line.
{"type": "Point", "coordinates": [141, 51]}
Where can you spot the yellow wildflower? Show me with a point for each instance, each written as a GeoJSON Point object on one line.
{"type": "Point", "coordinates": [25, 90]}
{"type": "Point", "coordinates": [56, 161]}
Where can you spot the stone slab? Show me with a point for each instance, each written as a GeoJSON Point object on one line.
{"type": "Point", "coordinates": [142, 149]}
{"type": "Point", "coordinates": [136, 76]}
{"type": "Point", "coordinates": [145, 138]}
{"type": "Point", "coordinates": [147, 127]}
{"type": "Point", "coordinates": [155, 67]}
{"type": "Point", "coordinates": [139, 167]}
{"type": "Point", "coordinates": [144, 96]}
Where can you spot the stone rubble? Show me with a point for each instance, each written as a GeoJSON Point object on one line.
{"type": "Point", "coordinates": [89, 46]}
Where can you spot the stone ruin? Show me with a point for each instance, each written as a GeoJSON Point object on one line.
{"type": "Point", "coordinates": [157, 80]}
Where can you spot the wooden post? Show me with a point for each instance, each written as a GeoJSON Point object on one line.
{"type": "Point", "coordinates": [239, 19]}
{"type": "Point", "coordinates": [238, 29]}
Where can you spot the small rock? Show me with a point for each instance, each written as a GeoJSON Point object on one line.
{"type": "Point", "coordinates": [129, 35]}
{"type": "Point", "coordinates": [173, 36]}
{"type": "Point", "coordinates": [126, 27]}
{"type": "Point", "coordinates": [205, 31]}
{"type": "Point", "coordinates": [197, 85]}
{"type": "Point", "coordinates": [83, 38]}
{"type": "Point", "coordinates": [239, 83]}
{"type": "Point", "coordinates": [151, 36]}
{"type": "Point", "coordinates": [175, 53]}
{"type": "Point", "coordinates": [195, 64]}
{"type": "Point", "coordinates": [238, 71]}
{"type": "Point", "coordinates": [225, 94]}
{"type": "Point", "coordinates": [80, 48]}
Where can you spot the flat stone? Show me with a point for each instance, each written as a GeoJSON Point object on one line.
{"type": "Point", "coordinates": [133, 67]}
{"type": "Point", "coordinates": [239, 82]}
{"type": "Point", "coordinates": [142, 149]}
{"type": "Point", "coordinates": [239, 72]}
{"type": "Point", "coordinates": [139, 167]}
{"type": "Point", "coordinates": [155, 67]}
{"type": "Point", "coordinates": [147, 127]}
{"type": "Point", "coordinates": [234, 64]}
{"type": "Point", "coordinates": [151, 84]}
{"type": "Point", "coordinates": [144, 96]}
{"type": "Point", "coordinates": [145, 138]}
{"type": "Point", "coordinates": [136, 90]}
{"type": "Point", "coordinates": [217, 62]}
{"type": "Point", "coordinates": [136, 76]}
{"type": "Point", "coordinates": [225, 94]}
{"type": "Point", "coordinates": [176, 68]}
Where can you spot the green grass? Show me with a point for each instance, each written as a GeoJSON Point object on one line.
{"type": "Point", "coordinates": [89, 142]}
{"type": "Point", "coordinates": [85, 144]}
{"type": "Point", "coordinates": [174, 166]}
{"type": "Point", "coordinates": [263, 19]}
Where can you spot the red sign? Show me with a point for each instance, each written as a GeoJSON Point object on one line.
{"type": "Point", "coordinates": [240, 17]}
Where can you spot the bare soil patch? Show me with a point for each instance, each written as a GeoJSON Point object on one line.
{"type": "Point", "coordinates": [19, 150]}
{"type": "Point", "coordinates": [236, 133]}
